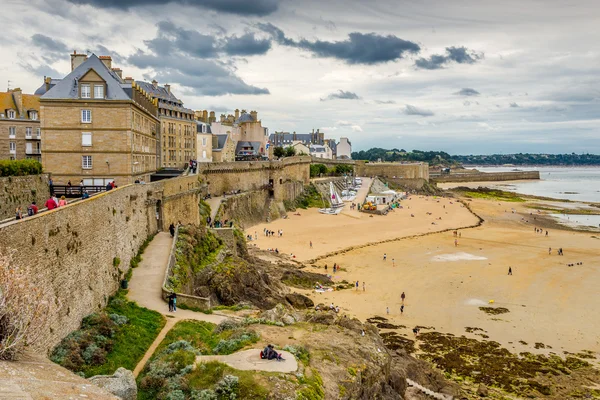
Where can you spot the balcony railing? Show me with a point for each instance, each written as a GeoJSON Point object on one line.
{"type": "Point", "coordinates": [33, 137]}
{"type": "Point", "coordinates": [33, 151]}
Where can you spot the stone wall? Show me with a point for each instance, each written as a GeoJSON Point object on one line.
{"type": "Point", "coordinates": [20, 191]}
{"type": "Point", "coordinates": [407, 184]}
{"type": "Point", "coordinates": [488, 176]}
{"type": "Point", "coordinates": [72, 251]}
{"type": "Point", "coordinates": [393, 170]}
{"type": "Point", "coordinates": [254, 175]}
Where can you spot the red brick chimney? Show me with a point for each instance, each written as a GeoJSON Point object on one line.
{"type": "Point", "coordinates": [107, 60]}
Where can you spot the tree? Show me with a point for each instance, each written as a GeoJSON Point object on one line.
{"type": "Point", "coordinates": [278, 152]}
{"type": "Point", "coordinates": [25, 311]}
{"type": "Point", "coordinates": [290, 151]}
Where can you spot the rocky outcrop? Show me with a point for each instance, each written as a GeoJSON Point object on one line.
{"type": "Point", "coordinates": [121, 383]}
{"type": "Point", "coordinates": [299, 301]}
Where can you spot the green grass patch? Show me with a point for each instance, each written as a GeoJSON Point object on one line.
{"type": "Point", "coordinates": [496, 195]}
{"type": "Point", "coordinates": [312, 386]}
{"type": "Point", "coordinates": [310, 198]}
{"type": "Point", "coordinates": [119, 336]}
{"type": "Point", "coordinates": [170, 374]}
{"type": "Point", "coordinates": [192, 308]}
{"type": "Point", "coordinates": [135, 261]}
{"type": "Point", "coordinates": [235, 307]}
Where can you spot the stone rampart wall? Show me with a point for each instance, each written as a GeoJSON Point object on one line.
{"type": "Point", "coordinates": [393, 170]}
{"type": "Point", "coordinates": [488, 176]}
{"type": "Point", "coordinates": [72, 251]}
{"type": "Point", "coordinates": [20, 191]}
{"type": "Point", "coordinates": [254, 175]}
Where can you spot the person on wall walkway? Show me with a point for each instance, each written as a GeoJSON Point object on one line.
{"type": "Point", "coordinates": [172, 229]}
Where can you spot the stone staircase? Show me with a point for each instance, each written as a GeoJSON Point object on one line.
{"type": "Point", "coordinates": [268, 209]}
{"type": "Point", "coordinates": [428, 392]}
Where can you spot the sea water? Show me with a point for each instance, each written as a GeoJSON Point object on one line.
{"type": "Point", "coordinates": [569, 183]}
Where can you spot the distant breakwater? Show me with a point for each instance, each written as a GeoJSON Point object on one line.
{"type": "Point", "coordinates": [485, 176]}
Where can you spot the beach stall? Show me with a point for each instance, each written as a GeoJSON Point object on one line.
{"type": "Point", "coordinates": [384, 198]}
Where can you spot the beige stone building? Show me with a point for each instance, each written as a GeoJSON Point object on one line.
{"type": "Point", "coordinates": [96, 126]}
{"type": "Point", "coordinates": [204, 141]}
{"type": "Point", "coordinates": [223, 148]}
{"type": "Point", "coordinates": [177, 144]}
{"type": "Point", "coordinates": [245, 130]}
{"type": "Point", "coordinates": [20, 135]}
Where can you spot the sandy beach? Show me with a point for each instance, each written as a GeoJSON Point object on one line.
{"type": "Point", "coordinates": [548, 301]}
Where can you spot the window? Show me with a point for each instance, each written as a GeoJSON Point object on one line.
{"type": "Point", "coordinates": [33, 115]}
{"type": "Point", "coordinates": [28, 131]}
{"type": "Point", "coordinates": [12, 132]}
{"type": "Point", "coordinates": [98, 91]}
{"type": "Point", "coordinates": [85, 91]}
{"type": "Point", "coordinates": [86, 138]}
{"type": "Point", "coordinates": [11, 114]}
{"type": "Point", "coordinates": [86, 116]}
{"type": "Point", "coordinates": [86, 162]}
{"type": "Point", "coordinates": [204, 142]}
{"type": "Point", "coordinates": [12, 146]}
{"type": "Point", "coordinates": [39, 132]}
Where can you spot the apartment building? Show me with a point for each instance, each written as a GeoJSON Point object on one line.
{"type": "Point", "coordinates": [177, 139]}
{"type": "Point", "coordinates": [20, 135]}
{"type": "Point", "coordinates": [97, 126]}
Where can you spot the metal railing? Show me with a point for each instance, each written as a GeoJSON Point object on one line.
{"type": "Point", "coordinates": [75, 191]}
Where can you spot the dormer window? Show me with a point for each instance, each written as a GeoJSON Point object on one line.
{"type": "Point", "coordinates": [33, 115]}
{"type": "Point", "coordinates": [98, 91]}
{"type": "Point", "coordinates": [86, 91]}
{"type": "Point", "coordinates": [11, 114]}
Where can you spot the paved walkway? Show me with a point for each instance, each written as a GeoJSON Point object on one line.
{"type": "Point", "coordinates": [214, 203]}
{"type": "Point", "coordinates": [249, 360]}
{"type": "Point", "coordinates": [145, 289]}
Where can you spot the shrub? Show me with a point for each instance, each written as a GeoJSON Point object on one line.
{"type": "Point", "coordinates": [20, 167]}
{"type": "Point", "coordinates": [228, 325]}
{"type": "Point", "coordinates": [206, 394]}
{"type": "Point", "coordinates": [119, 319]}
{"type": "Point", "coordinates": [237, 341]}
{"type": "Point", "coordinates": [228, 387]}
{"type": "Point", "coordinates": [25, 311]}
{"type": "Point", "coordinates": [300, 352]}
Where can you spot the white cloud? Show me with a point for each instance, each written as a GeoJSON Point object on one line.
{"type": "Point", "coordinates": [356, 128]}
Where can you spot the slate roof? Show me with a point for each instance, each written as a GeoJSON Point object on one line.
{"type": "Point", "coordinates": [67, 88]}
{"type": "Point", "coordinates": [303, 137]}
{"type": "Point", "coordinates": [255, 146]}
{"type": "Point", "coordinates": [42, 89]}
{"type": "Point", "coordinates": [200, 124]}
{"type": "Point", "coordinates": [159, 91]}
{"type": "Point", "coordinates": [245, 118]}
{"type": "Point", "coordinates": [221, 140]}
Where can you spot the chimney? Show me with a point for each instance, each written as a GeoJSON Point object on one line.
{"type": "Point", "coordinates": [168, 87]}
{"type": "Point", "coordinates": [205, 116]}
{"type": "Point", "coordinates": [106, 60]}
{"type": "Point", "coordinates": [237, 114]}
{"type": "Point", "coordinates": [294, 137]}
{"type": "Point", "coordinates": [254, 115]}
{"type": "Point", "coordinates": [18, 97]}
{"type": "Point", "coordinates": [212, 118]}
{"type": "Point", "coordinates": [128, 80]}
{"type": "Point", "coordinates": [154, 83]}
{"type": "Point", "coordinates": [222, 118]}
{"type": "Point", "coordinates": [77, 59]}
{"type": "Point", "coordinates": [47, 81]}
{"type": "Point", "coordinates": [119, 72]}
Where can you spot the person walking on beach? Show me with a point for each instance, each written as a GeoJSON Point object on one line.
{"type": "Point", "coordinates": [402, 297]}
{"type": "Point", "coordinates": [455, 242]}
{"type": "Point", "coordinates": [387, 309]}
{"type": "Point", "coordinates": [546, 233]}
{"type": "Point", "coordinates": [393, 262]}
{"type": "Point", "coordinates": [549, 250]}
{"type": "Point", "coordinates": [356, 285]}
{"type": "Point", "coordinates": [364, 289]}
{"type": "Point", "coordinates": [311, 244]}
{"type": "Point", "coordinates": [402, 309]}
{"type": "Point", "coordinates": [509, 270]}
{"type": "Point", "coordinates": [384, 256]}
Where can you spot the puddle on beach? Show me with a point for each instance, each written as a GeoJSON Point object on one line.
{"type": "Point", "coordinates": [476, 302]}
{"type": "Point", "coordinates": [461, 256]}
{"type": "Point", "coordinates": [578, 220]}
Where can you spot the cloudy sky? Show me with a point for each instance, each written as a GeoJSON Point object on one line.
{"type": "Point", "coordinates": [474, 77]}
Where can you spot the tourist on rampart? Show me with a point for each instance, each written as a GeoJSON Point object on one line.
{"type": "Point", "coordinates": [108, 186]}
{"type": "Point", "coordinates": [51, 186]}
{"type": "Point", "coordinates": [32, 209]}
{"type": "Point", "coordinates": [69, 186]}
{"type": "Point", "coordinates": [62, 202]}
{"type": "Point", "coordinates": [172, 229]}
{"type": "Point", "coordinates": [18, 213]}
{"type": "Point", "coordinates": [51, 204]}
{"type": "Point", "coordinates": [85, 194]}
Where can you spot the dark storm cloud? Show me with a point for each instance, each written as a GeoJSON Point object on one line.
{"type": "Point", "coordinates": [341, 95]}
{"type": "Point", "coordinates": [41, 70]}
{"type": "Point", "coordinates": [467, 92]}
{"type": "Point", "coordinates": [460, 55]}
{"type": "Point", "coordinates": [200, 76]}
{"type": "Point", "coordinates": [359, 48]}
{"type": "Point", "coordinates": [412, 110]}
{"type": "Point", "coordinates": [246, 45]}
{"type": "Point", "coordinates": [171, 37]}
{"type": "Point", "coordinates": [47, 43]}
{"type": "Point", "coordinates": [241, 7]}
